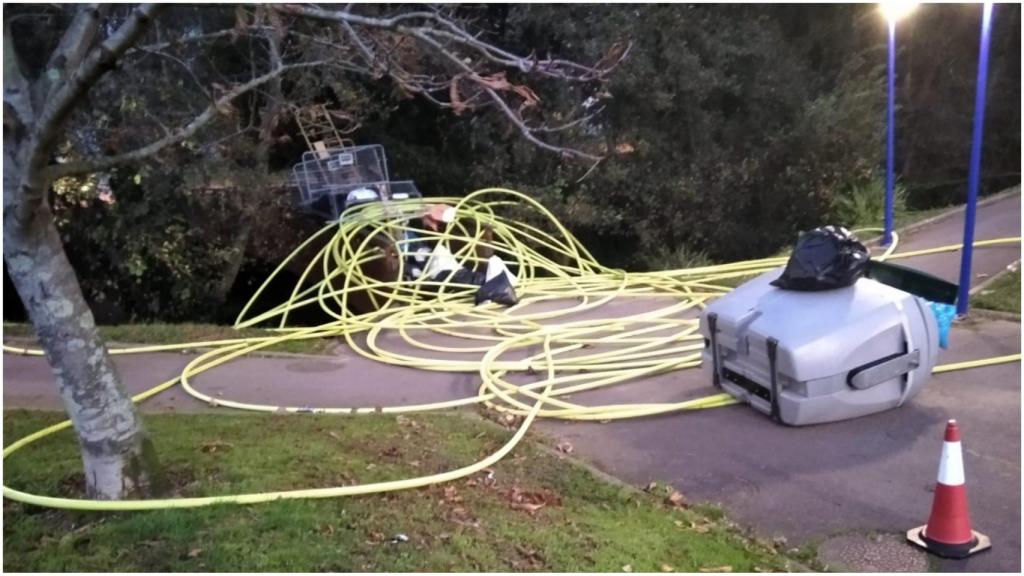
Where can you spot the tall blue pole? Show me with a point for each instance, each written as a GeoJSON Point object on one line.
{"type": "Point", "coordinates": [974, 172]}
{"type": "Point", "coordinates": [890, 137]}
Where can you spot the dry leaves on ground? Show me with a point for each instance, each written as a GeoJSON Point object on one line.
{"type": "Point", "coordinates": [531, 502]}
{"type": "Point", "coordinates": [211, 447]}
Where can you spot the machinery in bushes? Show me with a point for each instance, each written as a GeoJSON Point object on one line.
{"type": "Point", "coordinates": [335, 175]}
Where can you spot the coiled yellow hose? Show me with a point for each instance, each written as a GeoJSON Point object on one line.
{"type": "Point", "coordinates": [559, 282]}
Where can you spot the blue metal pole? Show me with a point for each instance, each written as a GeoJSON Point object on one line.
{"type": "Point", "coordinates": [890, 137]}
{"type": "Point", "coordinates": [974, 172]}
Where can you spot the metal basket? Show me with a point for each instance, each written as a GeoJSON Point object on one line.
{"type": "Point", "coordinates": [332, 180]}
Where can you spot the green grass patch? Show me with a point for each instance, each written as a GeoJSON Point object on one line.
{"type": "Point", "coordinates": [473, 524]}
{"type": "Point", "coordinates": [20, 334]}
{"type": "Point", "coordinates": [1002, 295]}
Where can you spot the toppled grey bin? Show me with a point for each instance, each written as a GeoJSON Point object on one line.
{"type": "Point", "coordinates": [813, 357]}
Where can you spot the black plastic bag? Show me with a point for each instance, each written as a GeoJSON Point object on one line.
{"type": "Point", "coordinates": [824, 258]}
{"type": "Point", "coordinates": [462, 276]}
{"type": "Point", "coordinates": [498, 290]}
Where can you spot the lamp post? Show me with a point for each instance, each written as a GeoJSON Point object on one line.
{"type": "Point", "coordinates": [974, 171]}
{"type": "Point", "coordinates": [893, 12]}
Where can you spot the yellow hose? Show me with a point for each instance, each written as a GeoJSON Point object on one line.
{"type": "Point", "coordinates": [559, 282]}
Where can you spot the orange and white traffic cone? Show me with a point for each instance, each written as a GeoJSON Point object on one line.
{"type": "Point", "coordinates": [948, 532]}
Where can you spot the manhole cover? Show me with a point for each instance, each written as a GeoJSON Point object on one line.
{"type": "Point", "coordinates": [874, 553]}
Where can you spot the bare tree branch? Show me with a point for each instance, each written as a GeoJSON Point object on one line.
{"type": "Point", "coordinates": [529, 135]}
{"type": "Point", "coordinates": [185, 40]}
{"type": "Point", "coordinates": [73, 47]}
{"type": "Point", "coordinates": [502, 105]}
{"type": "Point", "coordinates": [59, 104]}
{"type": "Point", "coordinates": [363, 48]}
{"type": "Point", "coordinates": [566, 125]}
{"type": "Point", "coordinates": [18, 108]}
{"type": "Point", "coordinates": [557, 68]}
{"type": "Point", "coordinates": [185, 67]}
{"type": "Point", "coordinates": [448, 30]}
{"type": "Point", "coordinates": [98, 164]}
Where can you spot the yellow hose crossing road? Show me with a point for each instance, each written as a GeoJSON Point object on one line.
{"type": "Point", "coordinates": [530, 357]}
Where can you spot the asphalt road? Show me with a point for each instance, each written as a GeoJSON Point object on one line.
{"type": "Point", "coordinates": [872, 474]}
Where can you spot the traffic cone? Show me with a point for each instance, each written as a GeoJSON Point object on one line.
{"type": "Point", "coordinates": [948, 531]}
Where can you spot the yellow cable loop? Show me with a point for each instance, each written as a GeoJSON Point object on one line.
{"type": "Point", "coordinates": [567, 309]}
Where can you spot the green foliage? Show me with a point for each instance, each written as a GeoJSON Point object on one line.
{"type": "Point", "coordinates": [163, 239]}
{"type": "Point", "coordinates": [936, 101]}
{"type": "Point", "coordinates": [681, 257]}
{"type": "Point", "coordinates": [863, 205]}
{"type": "Point", "coordinates": [725, 133]}
{"type": "Point", "coordinates": [587, 524]}
{"type": "Point", "coordinates": [1003, 295]}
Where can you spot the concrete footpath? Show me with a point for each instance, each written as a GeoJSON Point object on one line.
{"type": "Point", "coordinates": [997, 218]}
{"type": "Point", "coordinates": [852, 487]}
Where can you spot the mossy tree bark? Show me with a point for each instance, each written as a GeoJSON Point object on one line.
{"type": "Point", "coordinates": [116, 455]}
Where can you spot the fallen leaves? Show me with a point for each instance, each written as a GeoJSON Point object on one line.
{"type": "Point", "coordinates": [451, 495]}
{"type": "Point", "coordinates": [408, 422]}
{"type": "Point", "coordinates": [195, 552]}
{"type": "Point", "coordinates": [511, 421]}
{"type": "Point", "coordinates": [462, 517]}
{"type": "Point", "coordinates": [214, 446]}
{"type": "Point", "coordinates": [454, 508]}
{"type": "Point", "coordinates": [702, 528]}
{"type": "Point", "coordinates": [532, 560]}
{"type": "Point", "coordinates": [565, 447]}
{"type": "Point", "coordinates": [531, 502]}
{"type": "Point", "coordinates": [717, 569]}
{"type": "Point", "coordinates": [676, 500]}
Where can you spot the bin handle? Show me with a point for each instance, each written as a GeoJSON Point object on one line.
{"type": "Point", "coordinates": [883, 370]}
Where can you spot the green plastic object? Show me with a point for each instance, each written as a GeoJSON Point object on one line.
{"type": "Point", "coordinates": [913, 281]}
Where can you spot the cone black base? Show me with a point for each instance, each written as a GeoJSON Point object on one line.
{"type": "Point", "coordinates": [979, 543]}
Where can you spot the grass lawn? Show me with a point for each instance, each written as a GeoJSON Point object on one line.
{"type": "Point", "coordinates": [586, 523]}
{"type": "Point", "coordinates": [178, 333]}
{"type": "Point", "coordinates": [1002, 295]}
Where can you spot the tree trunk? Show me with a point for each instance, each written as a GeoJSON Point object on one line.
{"type": "Point", "coordinates": [117, 457]}
{"type": "Point", "coordinates": [231, 270]}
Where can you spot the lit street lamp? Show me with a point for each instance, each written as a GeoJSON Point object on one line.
{"type": "Point", "coordinates": [974, 171]}
{"type": "Point", "coordinates": [893, 11]}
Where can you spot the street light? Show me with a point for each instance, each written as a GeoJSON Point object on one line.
{"type": "Point", "coordinates": [897, 10]}
{"type": "Point", "coordinates": [893, 11]}
{"type": "Point", "coordinates": [974, 171]}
